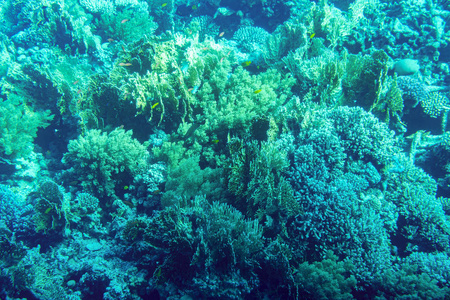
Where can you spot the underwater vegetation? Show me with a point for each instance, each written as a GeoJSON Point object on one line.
{"type": "Point", "coordinates": [217, 149]}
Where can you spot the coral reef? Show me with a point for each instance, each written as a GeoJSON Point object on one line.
{"type": "Point", "coordinates": [219, 149]}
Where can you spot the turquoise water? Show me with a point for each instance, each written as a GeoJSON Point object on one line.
{"type": "Point", "coordinates": [219, 149]}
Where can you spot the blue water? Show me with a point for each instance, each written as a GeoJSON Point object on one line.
{"type": "Point", "coordinates": [223, 149]}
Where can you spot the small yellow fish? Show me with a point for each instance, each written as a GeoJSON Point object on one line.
{"type": "Point", "coordinates": [48, 210]}
{"type": "Point", "coordinates": [246, 63]}
{"type": "Point", "coordinates": [155, 105]}
{"type": "Point", "coordinates": [194, 7]}
{"type": "Point", "coordinates": [125, 187]}
{"type": "Point", "coordinates": [257, 91]}
{"type": "Point", "coordinates": [214, 141]}
{"type": "Point", "coordinates": [164, 4]}
{"type": "Point", "coordinates": [312, 35]}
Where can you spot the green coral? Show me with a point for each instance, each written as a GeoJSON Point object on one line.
{"type": "Point", "coordinates": [365, 76]}
{"type": "Point", "coordinates": [215, 246]}
{"type": "Point", "coordinates": [234, 101]}
{"type": "Point", "coordinates": [139, 23]}
{"type": "Point", "coordinates": [188, 179]}
{"type": "Point", "coordinates": [255, 178]}
{"type": "Point", "coordinates": [392, 103]}
{"type": "Point", "coordinates": [329, 22]}
{"type": "Point", "coordinates": [52, 208]}
{"type": "Point", "coordinates": [222, 101]}
{"type": "Point", "coordinates": [134, 230]}
{"type": "Point", "coordinates": [149, 84]}
{"type": "Point", "coordinates": [285, 39]}
{"type": "Point", "coordinates": [407, 281]}
{"type": "Point", "coordinates": [102, 160]}
{"type": "Point", "coordinates": [414, 193]}
{"type": "Point", "coordinates": [18, 125]}
{"type": "Point", "coordinates": [320, 75]}
{"type": "Point", "coordinates": [326, 279]}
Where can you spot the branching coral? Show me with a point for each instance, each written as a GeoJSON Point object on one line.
{"type": "Point", "coordinates": [181, 181]}
{"type": "Point", "coordinates": [321, 76]}
{"type": "Point", "coordinates": [425, 227]}
{"type": "Point", "coordinates": [52, 208]}
{"type": "Point", "coordinates": [102, 160]}
{"type": "Point", "coordinates": [19, 125]}
{"type": "Point", "coordinates": [255, 178]}
{"type": "Point", "coordinates": [242, 98]}
{"type": "Point", "coordinates": [219, 248]}
{"type": "Point", "coordinates": [326, 279]}
{"type": "Point", "coordinates": [335, 181]}
{"type": "Point", "coordinates": [251, 38]}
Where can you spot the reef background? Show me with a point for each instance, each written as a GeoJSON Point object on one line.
{"type": "Point", "coordinates": [222, 149]}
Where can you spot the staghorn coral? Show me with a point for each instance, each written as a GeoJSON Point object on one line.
{"type": "Point", "coordinates": [95, 6]}
{"type": "Point", "coordinates": [335, 177]}
{"type": "Point", "coordinates": [363, 136]}
{"type": "Point", "coordinates": [415, 277]}
{"type": "Point", "coordinates": [413, 90]}
{"type": "Point", "coordinates": [251, 38]}
{"type": "Point", "coordinates": [413, 191]}
{"type": "Point", "coordinates": [15, 214]}
{"type": "Point", "coordinates": [86, 202]}
{"type": "Point", "coordinates": [435, 104]}
{"type": "Point", "coordinates": [432, 153]}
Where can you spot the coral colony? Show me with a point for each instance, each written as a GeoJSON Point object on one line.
{"type": "Point", "coordinates": [219, 149]}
